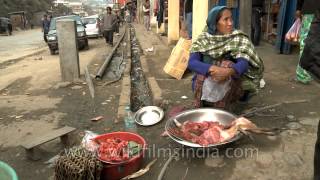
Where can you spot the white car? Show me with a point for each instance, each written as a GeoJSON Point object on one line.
{"type": "Point", "coordinates": [92, 24]}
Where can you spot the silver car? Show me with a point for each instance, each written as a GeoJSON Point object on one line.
{"type": "Point", "coordinates": [92, 24]}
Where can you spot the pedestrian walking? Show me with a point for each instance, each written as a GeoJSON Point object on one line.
{"type": "Point", "coordinates": [45, 27]}
{"type": "Point", "coordinates": [146, 15]}
{"type": "Point", "coordinates": [118, 21]}
{"type": "Point", "coordinates": [109, 21]}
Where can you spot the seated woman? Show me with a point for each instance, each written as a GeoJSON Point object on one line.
{"type": "Point", "coordinates": [226, 65]}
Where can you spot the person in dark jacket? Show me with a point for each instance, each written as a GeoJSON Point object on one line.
{"type": "Point", "coordinates": [45, 27]}
{"type": "Point", "coordinates": [188, 5]}
{"type": "Point", "coordinates": [310, 57]}
{"type": "Point", "coordinates": [257, 7]}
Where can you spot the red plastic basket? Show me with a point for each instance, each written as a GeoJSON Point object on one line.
{"type": "Point", "coordinates": [118, 171]}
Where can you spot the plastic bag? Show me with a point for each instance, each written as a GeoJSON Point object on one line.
{"type": "Point", "coordinates": [88, 143]}
{"type": "Point", "coordinates": [292, 35]}
{"type": "Point", "coordinates": [212, 91]}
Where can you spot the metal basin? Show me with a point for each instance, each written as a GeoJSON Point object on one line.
{"type": "Point", "coordinates": [149, 115]}
{"type": "Point", "coordinates": [200, 115]}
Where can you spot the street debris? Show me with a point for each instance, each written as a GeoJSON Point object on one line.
{"type": "Point", "coordinates": [185, 174]}
{"type": "Point", "coordinates": [291, 118]}
{"type": "Point", "coordinates": [309, 121]}
{"type": "Point", "coordinates": [262, 83]}
{"type": "Point", "coordinates": [166, 164]}
{"type": "Point", "coordinates": [18, 117]}
{"type": "Point", "coordinates": [52, 161]}
{"type": "Point", "coordinates": [89, 81]}
{"type": "Point", "coordinates": [272, 138]}
{"type": "Point", "coordinates": [293, 159]}
{"type": "Point", "coordinates": [38, 58]}
{"type": "Point", "coordinates": [264, 160]}
{"type": "Point", "coordinates": [214, 162]}
{"type": "Point", "coordinates": [97, 118]}
{"type": "Point", "coordinates": [111, 82]}
{"type": "Point", "coordinates": [313, 113]}
{"type": "Point", "coordinates": [149, 49]}
{"type": "Point", "coordinates": [164, 134]}
{"type": "Point", "coordinates": [141, 172]}
{"type": "Point", "coordinates": [254, 110]}
{"type": "Point", "coordinates": [76, 87]}
{"type": "Point", "coordinates": [61, 85]}
{"type": "Point", "coordinates": [87, 141]}
{"type": "Point", "coordinates": [184, 97]}
{"type": "Point", "coordinates": [294, 126]}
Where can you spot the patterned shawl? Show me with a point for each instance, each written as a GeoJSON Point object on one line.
{"type": "Point", "coordinates": [237, 45]}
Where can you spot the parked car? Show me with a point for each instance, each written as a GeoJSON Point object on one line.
{"type": "Point", "coordinates": [93, 25]}
{"type": "Point", "coordinates": [5, 26]}
{"type": "Point", "coordinates": [82, 38]}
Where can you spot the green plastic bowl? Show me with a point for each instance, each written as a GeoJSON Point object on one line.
{"type": "Point", "coordinates": [6, 172]}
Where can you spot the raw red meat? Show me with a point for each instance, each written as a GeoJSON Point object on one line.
{"type": "Point", "coordinates": [203, 133]}
{"type": "Point", "coordinates": [113, 150]}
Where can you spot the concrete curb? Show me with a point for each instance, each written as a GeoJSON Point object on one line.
{"type": "Point", "coordinates": [124, 99]}
{"type": "Point", "coordinates": [125, 96]}
{"type": "Point", "coordinates": [155, 90]}
{"type": "Point", "coordinates": [38, 51]}
{"type": "Point", "coordinates": [144, 65]}
{"type": "Point", "coordinates": [153, 84]}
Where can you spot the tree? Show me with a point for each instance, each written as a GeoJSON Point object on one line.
{"type": "Point", "coordinates": [29, 6]}
{"type": "Point", "coordinates": [88, 9]}
{"type": "Point", "coordinates": [61, 9]}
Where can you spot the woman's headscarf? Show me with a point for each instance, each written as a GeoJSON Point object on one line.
{"type": "Point", "coordinates": [212, 19]}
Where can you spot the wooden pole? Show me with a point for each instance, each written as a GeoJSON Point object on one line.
{"type": "Point", "coordinates": [245, 16]}
{"type": "Point", "coordinates": [173, 21]}
{"type": "Point", "coordinates": [199, 17]}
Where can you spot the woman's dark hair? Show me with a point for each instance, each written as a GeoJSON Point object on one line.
{"type": "Point", "coordinates": [109, 8]}
{"type": "Point", "coordinates": [220, 13]}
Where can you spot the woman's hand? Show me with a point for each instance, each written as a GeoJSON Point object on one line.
{"type": "Point", "coordinates": [220, 74]}
{"type": "Point", "coordinates": [298, 14]}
